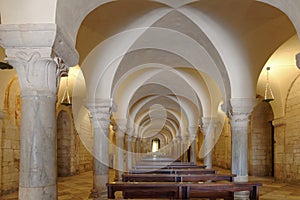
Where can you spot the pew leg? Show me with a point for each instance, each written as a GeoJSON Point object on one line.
{"type": "Point", "coordinates": [110, 193]}
{"type": "Point", "coordinates": [254, 195]}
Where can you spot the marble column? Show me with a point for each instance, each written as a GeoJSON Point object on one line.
{"type": "Point", "coordinates": [193, 131]}
{"type": "Point", "coordinates": [179, 147]}
{"type": "Point", "coordinates": [208, 127]}
{"type": "Point", "coordinates": [185, 146]}
{"type": "Point", "coordinates": [29, 51]}
{"type": "Point", "coordinates": [100, 111]}
{"type": "Point", "coordinates": [134, 154]}
{"type": "Point", "coordinates": [120, 135]}
{"type": "Point", "coordinates": [298, 60]}
{"type": "Point", "coordinates": [129, 151]}
{"type": "Point", "coordinates": [239, 121]}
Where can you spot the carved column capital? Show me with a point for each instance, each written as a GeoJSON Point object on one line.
{"type": "Point", "coordinates": [129, 138]}
{"type": "Point", "coordinates": [209, 124]}
{"type": "Point", "coordinates": [241, 109]}
{"type": "Point", "coordinates": [29, 50]}
{"type": "Point", "coordinates": [192, 130]}
{"type": "Point", "coordinates": [100, 110]}
{"type": "Point", "coordinates": [121, 127]}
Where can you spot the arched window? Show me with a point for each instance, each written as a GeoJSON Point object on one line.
{"type": "Point", "coordinates": [155, 145]}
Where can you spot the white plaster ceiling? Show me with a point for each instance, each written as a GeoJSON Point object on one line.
{"type": "Point", "coordinates": [217, 48]}
{"type": "Point", "coordinates": [234, 46]}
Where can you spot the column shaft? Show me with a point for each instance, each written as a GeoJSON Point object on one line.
{"type": "Point", "coordinates": [120, 155]}
{"type": "Point", "coordinates": [209, 130]}
{"type": "Point", "coordinates": [129, 152]}
{"type": "Point", "coordinates": [38, 152]}
{"type": "Point", "coordinates": [100, 114]}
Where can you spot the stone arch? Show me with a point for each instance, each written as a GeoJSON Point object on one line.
{"type": "Point", "coordinates": [261, 140]}
{"type": "Point", "coordinates": [64, 144]}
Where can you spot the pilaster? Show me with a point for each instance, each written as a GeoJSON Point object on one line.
{"type": "Point", "coordinates": [279, 148]}
{"type": "Point", "coordinates": [2, 116]}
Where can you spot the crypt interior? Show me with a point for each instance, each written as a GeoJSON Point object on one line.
{"type": "Point", "coordinates": [91, 87]}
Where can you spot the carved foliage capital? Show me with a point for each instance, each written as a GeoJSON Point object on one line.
{"type": "Point", "coordinates": [100, 116]}
{"type": "Point", "coordinates": [36, 73]}
{"type": "Point", "coordinates": [241, 109]}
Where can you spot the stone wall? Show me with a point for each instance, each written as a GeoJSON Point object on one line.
{"type": "Point", "coordinates": [222, 150]}
{"type": "Point", "coordinates": [10, 139]}
{"type": "Point", "coordinates": [260, 141]}
{"type": "Point", "coordinates": [292, 134]}
{"type": "Point", "coordinates": [72, 155]}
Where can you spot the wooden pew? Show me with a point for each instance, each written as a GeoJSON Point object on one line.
{"type": "Point", "coordinates": [166, 163]}
{"type": "Point", "coordinates": [177, 177]}
{"type": "Point", "coordinates": [175, 190]}
{"type": "Point", "coordinates": [168, 167]}
{"type": "Point", "coordinates": [172, 171]}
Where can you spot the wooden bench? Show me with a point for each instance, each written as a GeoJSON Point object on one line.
{"type": "Point", "coordinates": [169, 166]}
{"type": "Point", "coordinates": [167, 163]}
{"type": "Point", "coordinates": [175, 190]}
{"type": "Point", "coordinates": [172, 171]}
{"type": "Point", "coordinates": [177, 177]}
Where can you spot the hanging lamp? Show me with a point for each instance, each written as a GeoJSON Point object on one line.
{"type": "Point", "coordinates": [66, 96]}
{"type": "Point", "coordinates": [268, 91]}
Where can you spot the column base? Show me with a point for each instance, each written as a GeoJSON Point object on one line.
{"type": "Point", "coordinates": [241, 195]}
{"type": "Point", "coordinates": [45, 193]}
{"type": "Point", "coordinates": [99, 191]}
{"type": "Point", "coordinates": [240, 179]}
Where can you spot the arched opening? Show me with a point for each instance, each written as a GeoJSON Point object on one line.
{"type": "Point", "coordinates": [261, 140]}
{"type": "Point", "coordinates": [155, 145]}
{"type": "Point", "coordinates": [63, 144]}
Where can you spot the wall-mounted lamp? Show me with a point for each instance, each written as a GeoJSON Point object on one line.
{"type": "Point", "coordinates": [66, 96]}
{"type": "Point", "coordinates": [268, 91]}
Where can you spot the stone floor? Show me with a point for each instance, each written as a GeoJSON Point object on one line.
{"type": "Point", "coordinates": [78, 188]}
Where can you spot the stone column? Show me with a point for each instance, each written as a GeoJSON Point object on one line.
{"type": "Point", "coordinates": [193, 131]}
{"type": "Point", "coordinates": [134, 150]}
{"type": "Point", "coordinates": [29, 51]}
{"type": "Point", "coordinates": [209, 127]}
{"type": "Point", "coordinates": [239, 121]}
{"type": "Point", "coordinates": [120, 134]}
{"type": "Point", "coordinates": [179, 147]}
{"type": "Point", "coordinates": [185, 146]}
{"type": "Point", "coordinates": [174, 149]}
{"type": "Point", "coordinates": [129, 151]}
{"type": "Point", "coordinates": [298, 60]}
{"type": "Point", "coordinates": [100, 111]}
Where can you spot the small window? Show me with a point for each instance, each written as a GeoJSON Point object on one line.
{"type": "Point", "coordinates": [155, 145]}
